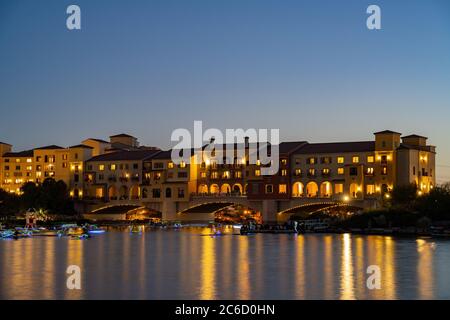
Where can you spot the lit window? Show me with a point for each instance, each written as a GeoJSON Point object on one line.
{"type": "Point", "coordinates": [370, 189]}
{"type": "Point", "coordinates": [17, 160]}
{"type": "Point", "coordinates": [226, 175]}
{"type": "Point", "coordinates": [355, 159]}
{"type": "Point", "coordinates": [284, 162]}
{"type": "Point", "coordinates": [340, 171]}
{"type": "Point", "coordinates": [257, 172]}
{"type": "Point", "coordinates": [282, 188]}
{"type": "Point", "coordinates": [203, 174]}
{"type": "Point", "coordinates": [298, 172]}
{"type": "Point", "coordinates": [326, 171]}
{"type": "Point", "coordinates": [284, 172]}
{"type": "Point", "coordinates": [370, 170]}
{"type": "Point", "coordinates": [170, 165]}
{"type": "Point", "coordinates": [182, 164]}
{"type": "Point", "coordinates": [238, 174]}
{"type": "Point", "coordinates": [101, 167]}
{"type": "Point", "coordinates": [29, 160]}
{"type": "Point", "coordinates": [258, 162]}
{"type": "Point", "coordinates": [312, 172]}
{"type": "Point", "coordinates": [338, 188]}
{"type": "Point", "coordinates": [340, 159]}
{"type": "Point", "coordinates": [269, 188]}
{"type": "Point", "coordinates": [113, 167]}
{"type": "Point", "coordinates": [384, 170]}
{"type": "Point", "coordinates": [311, 160]}
{"type": "Point", "coordinates": [214, 175]}
{"type": "Point", "coordinates": [370, 159]}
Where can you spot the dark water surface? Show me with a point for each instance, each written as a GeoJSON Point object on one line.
{"type": "Point", "coordinates": [170, 264]}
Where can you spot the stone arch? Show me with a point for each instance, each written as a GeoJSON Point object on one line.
{"type": "Point", "coordinates": [298, 189]}
{"type": "Point", "coordinates": [354, 190]}
{"type": "Point", "coordinates": [326, 189]}
{"type": "Point", "coordinates": [144, 193]}
{"type": "Point", "coordinates": [123, 193]}
{"type": "Point", "coordinates": [225, 188]}
{"type": "Point", "coordinates": [237, 188]}
{"type": "Point", "coordinates": [202, 189]}
{"type": "Point", "coordinates": [134, 192]}
{"type": "Point", "coordinates": [113, 194]}
{"type": "Point", "coordinates": [312, 189]}
{"type": "Point", "coordinates": [214, 188]}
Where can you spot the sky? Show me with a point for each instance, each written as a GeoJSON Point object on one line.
{"type": "Point", "coordinates": [309, 68]}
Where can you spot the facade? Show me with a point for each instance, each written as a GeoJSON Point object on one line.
{"type": "Point", "coordinates": [120, 171]}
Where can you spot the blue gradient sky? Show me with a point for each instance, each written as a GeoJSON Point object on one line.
{"type": "Point", "coordinates": [310, 68]}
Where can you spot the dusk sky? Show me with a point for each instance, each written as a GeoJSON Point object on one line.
{"type": "Point", "coordinates": [310, 68]}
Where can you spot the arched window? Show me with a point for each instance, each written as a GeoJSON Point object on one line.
{"type": "Point", "coordinates": [168, 193]}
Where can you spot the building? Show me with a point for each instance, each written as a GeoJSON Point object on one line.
{"type": "Point", "coordinates": [120, 171]}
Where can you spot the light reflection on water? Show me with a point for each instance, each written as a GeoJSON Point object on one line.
{"type": "Point", "coordinates": [189, 264]}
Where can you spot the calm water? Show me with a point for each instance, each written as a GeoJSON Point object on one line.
{"type": "Point", "coordinates": [168, 264]}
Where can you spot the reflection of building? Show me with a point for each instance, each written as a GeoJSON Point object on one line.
{"type": "Point", "coordinates": [120, 171]}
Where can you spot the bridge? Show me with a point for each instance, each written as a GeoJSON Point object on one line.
{"type": "Point", "coordinates": [202, 208]}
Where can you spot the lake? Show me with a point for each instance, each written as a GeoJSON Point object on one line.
{"type": "Point", "coordinates": [188, 264]}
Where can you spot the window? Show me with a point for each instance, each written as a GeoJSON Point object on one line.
{"type": "Point", "coordinates": [384, 170]}
{"type": "Point", "coordinates": [180, 192]}
{"type": "Point", "coordinates": [158, 165]}
{"type": "Point", "coordinates": [298, 161]}
{"type": "Point", "coordinates": [257, 172]}
{"type": "Point", "coordinates": [370, 189]}
{"type": "Point", "coordinates": [170, 165]}
{"type": "Point", "coordinates": [326, 160]}
{"type": "Point", "coordinates": [135, 166]}
{"type": "Point", "coordinates": [157, 175]}
{"type": "Point", "coordinates": [182, 164]}
{"type": "Point", "coordinates": [226, 175]}
{"type": "Point", "coordinates": [203, 175]}
{"type": "Point", "coordinates": [29, 160]}
{"type": "Point", "coordinates": [311, 160]}
{"type": "Point", "coordinates": [340, 159]}
{"type": "Point", "coordinates": [370, 159]}
{"type": "Point", "coordinates": [6, 168]}
{"type": "Point", "coordinates": [182, 174]}
{"type": "Point", "coordinates": [29, 168]}
{"type": "Point", "coordinates": [282, 189]}
{"type": "Point", "coordinates": [18, 168]}
{"type": "Point", "coordinates": [101, 167]}
{"type": "Point", "coordinates": [238, 174]}
{"type": "Point", "coordinates": [214, 175]}
{"type": "Point", "coordinates": [369, 171]}
{"type": "Point", "coordinates": [258, 162]}
{"type": "Point", "coordinates": [414, 171]}
{"type": "Point", "coordinates": [18, 160]}
{"type": "Point", "coordinates": [353, 171]}
{"type": "Point", "coordinates": [64, 164]}
{"type": "Point", "coordinates": [284, 162]}
{"type": "Point", "coordinates": [269, 188]}
{"type": "Point", "coordinates": [298, 172]}
{"type": "Point", "coordinates": [355, 159]}
{"type": "Point", "coordinates": [156, 193]}
{"type": "Point", "coordinates": [338, 188]}
{"type": "Point", "coordinates": [325, 171]}
{"type": "Point", "coordinates": [112, 167]}
{"type": "Point", "coordinates": [168, 192]}
{"type": "Point", "coordinates": [64, 156]}
{"type": "Point", "coordinates": [284, 172]}
{"type": "Point", "coordinates": [311, 172]}
{"type": "Point", "coordinates": [340, 170]}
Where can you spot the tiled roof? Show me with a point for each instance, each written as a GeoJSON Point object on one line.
{"type": "Point", "coordinates": [26, 153]}
{"type": "Point", "coordinates": [81, 146]}
{"type": "Point", "coordinates": [98, 140]}
{"type": "Point", "coordinates": [5, 143]}
{"type": "Point", "coordinates": [414, 136]}
{"type": "Point", "coordinates": [121, 135]}
{"type": "Point", "coordinates": [51, 147]}
{"type": "Point", "coordinates": [337, 147]}
{"type": "Point", "coordinates": [125, 155]}
{"type": "Point", "coordinates": [387, 131]}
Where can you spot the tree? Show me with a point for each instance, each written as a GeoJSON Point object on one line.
{"type": "Point", "coordinates": [404, 196]}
